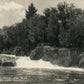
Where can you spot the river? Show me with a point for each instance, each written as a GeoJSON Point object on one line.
{"type": "Point", "coordinates": [40, 72]}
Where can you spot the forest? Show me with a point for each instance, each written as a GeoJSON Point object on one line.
{"type": "Point", "coordinates": [61, 26]}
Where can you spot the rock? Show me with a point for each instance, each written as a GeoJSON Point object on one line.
{"type": "Point", "coordinates": [7, 60]}
{"type": "Point", "coordinates": [8, 64]}
{"type": "Point", "coordinates": [58, 56]}
{"type": "Point", "coordinates": [37, 53]}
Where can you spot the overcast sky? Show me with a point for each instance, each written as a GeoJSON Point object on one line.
{"type": "Point", "coordinates": [13, 11]}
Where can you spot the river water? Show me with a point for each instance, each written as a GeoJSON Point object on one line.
{"type": "Point", "coordinates": [40, 72]}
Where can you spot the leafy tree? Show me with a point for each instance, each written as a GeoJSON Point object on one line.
{"type": "Point", "coordinates": [53, 27]}
{"type": "Point", "coordinates": [76, 37]}
{"type": "Point", "coordinates": [37, 29]}
{"type": "Point", "coordinates": [1, 43]}
{"type": "Point", "coordinates": [67, 13]}
{"type": "Point", "coordinates": [62, 26]}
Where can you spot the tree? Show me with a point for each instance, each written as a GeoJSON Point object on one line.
{"type": "Point", "coordinates": [67, 13]}
{"type": "Point", "coordinates": [1, 43]}
{"type": "Point", "coordinates": [53, 27]}
{"type": "Point", "coordinates": [37, 33]}
{"type": "Point", "coordinates": [47, 15]}
{"type": "Point", "coordinates": [62, 26]}
{"type": "Point", "coordinates": [31, 11]}
{"type": "Point", "coordinates": [76, 36]}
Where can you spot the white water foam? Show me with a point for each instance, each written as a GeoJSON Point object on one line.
{"type": "Point", "coordinates": [25, 62]}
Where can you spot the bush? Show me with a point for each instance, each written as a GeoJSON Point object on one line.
{"type": "Point", "coordinates": [81, 60]}
{"type": "Point", "coordinates": [18, 51]}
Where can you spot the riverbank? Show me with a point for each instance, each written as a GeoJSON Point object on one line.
{"type": "Point", "coordinates": [67, 57]}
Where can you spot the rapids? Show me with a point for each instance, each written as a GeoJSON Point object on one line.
{"type": "Point", "coordinates": [26, 62]}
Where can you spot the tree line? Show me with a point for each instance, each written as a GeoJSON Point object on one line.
{"type": "Point", "coordinates": [61, 26]}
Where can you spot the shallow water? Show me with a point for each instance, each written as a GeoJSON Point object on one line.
{"type": "Point", "coordinates": [33, 72]}
{"type": "Point", "coordinates": [39, 76]}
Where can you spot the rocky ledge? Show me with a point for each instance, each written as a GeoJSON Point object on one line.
{"type": "Point", "coordinates": [68, 57]}
{"type": "Point", "coordinates": [7, 60]}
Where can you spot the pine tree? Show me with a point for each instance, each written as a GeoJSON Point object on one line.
{"type": "Point", "coordinates": [31, 11]}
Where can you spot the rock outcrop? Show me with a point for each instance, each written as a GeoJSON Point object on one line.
{"type": "Point", "coordinates": [69, 57]}
{"type": "Point", "coordinates": [6, 64]}
{"type": "Point", "coordinates": [7, 60]}
{"type": "Point", "coordinates": [58, 56]}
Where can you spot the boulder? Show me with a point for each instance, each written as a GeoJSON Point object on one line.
{"type": "Point", "coordinates": [7, 60]}
{"type": "Point", "coordinates": [6, 64]}
{"type": "Point", "coordinates": [37, 53]}
{"type": "Point", "coordinates": [58, 56]}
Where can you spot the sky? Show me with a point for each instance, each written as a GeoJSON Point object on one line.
{"type": "Point", "coordinates": [13, 11]}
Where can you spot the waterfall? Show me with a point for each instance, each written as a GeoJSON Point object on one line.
{"type": "Point", "coordinates": [26, 62]}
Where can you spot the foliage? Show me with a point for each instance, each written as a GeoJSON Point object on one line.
{"type": "Point", "coordinates": [62, 26]}
{"type": "Point", "coordinates": [31, 11]}
{"type": "Point", "coordinates": [18, 51]}
{"type": "Point", "coordinates": [76, 37]}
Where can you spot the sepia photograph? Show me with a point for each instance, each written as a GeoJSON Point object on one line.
{"type": "Point", "coordinates": [41, 41]}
